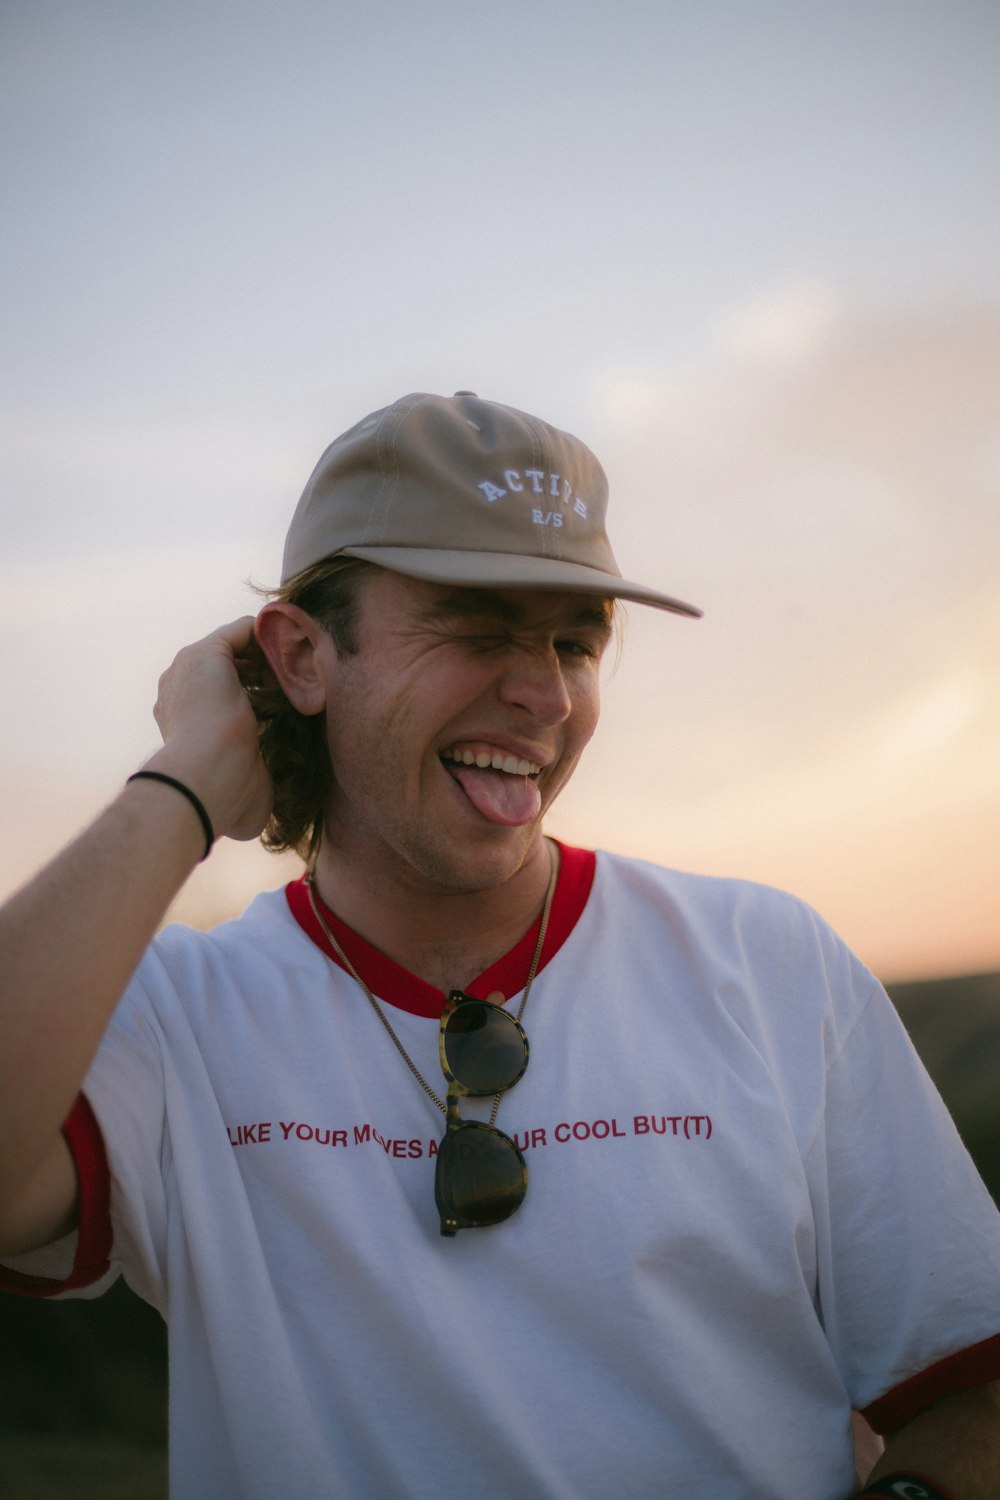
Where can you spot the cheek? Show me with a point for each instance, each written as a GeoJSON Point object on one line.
{"type": "Point", "coordinates": [583, 721]}
{"type": "Point", "coordinates": [383, 717]}
{"type": "Point", "coordinates": [586, 713]}
{"type": "Point", "coordinates": [360, 726]}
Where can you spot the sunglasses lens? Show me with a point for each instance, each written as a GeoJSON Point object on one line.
{"type": "Point", "coordinates": [484, 1049]}
{"type": "Point", "coordinates": [481, 1177]}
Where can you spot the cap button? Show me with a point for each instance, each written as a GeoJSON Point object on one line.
{"type": "Point", "coordinates": [464, 393]}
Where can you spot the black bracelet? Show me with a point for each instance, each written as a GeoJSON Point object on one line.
{"type": "Point", "coordinates": [185, 791]}
{"type": "Point", "coordinates": [903, 1487]}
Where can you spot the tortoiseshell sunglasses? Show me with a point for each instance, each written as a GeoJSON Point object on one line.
{"type": "Point", "coordinates": [481, 1176]}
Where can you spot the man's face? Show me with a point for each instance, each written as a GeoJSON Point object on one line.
{"type": "Point", "coordinates": [455, 725]}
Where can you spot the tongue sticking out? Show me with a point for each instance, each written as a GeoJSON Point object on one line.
{"type": "Point", "coordinates": [511, 800]}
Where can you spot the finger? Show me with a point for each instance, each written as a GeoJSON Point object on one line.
{"type": "Point", "coordinates": [237, 634]}
{"type": "Point", "coordinates": [254, 668]}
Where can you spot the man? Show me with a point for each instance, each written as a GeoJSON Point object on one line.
{"type": "Point", "coordinates": [722, 1206]}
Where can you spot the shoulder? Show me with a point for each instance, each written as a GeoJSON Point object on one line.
{"type": "Point", "coordinates": [754, 948]}
{"type": "Point", "coordinates": [183, 965]}
{"type": "Point", "coordinates": [726, 905]}
{"type": "Point", "coordinates": [266, 923]}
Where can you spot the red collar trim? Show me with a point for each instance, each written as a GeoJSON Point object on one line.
{"type": "Point", "coordinates": [397, 986]}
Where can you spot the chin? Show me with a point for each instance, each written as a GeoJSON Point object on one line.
{"type": "Point", "coordinates": [484, 864]}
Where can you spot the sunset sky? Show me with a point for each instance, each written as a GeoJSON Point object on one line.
{"type": "Point", "coordinates": [749, 252]}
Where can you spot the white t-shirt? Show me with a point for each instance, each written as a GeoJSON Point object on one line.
{"type": "Point", "coordinates": [747, 1213]}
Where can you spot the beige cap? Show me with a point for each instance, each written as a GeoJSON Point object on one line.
{"type": "Point", "coordinates": [464, 491]}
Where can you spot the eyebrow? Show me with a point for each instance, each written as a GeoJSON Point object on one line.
{"type": "Point", "coordinates": [475, 603]}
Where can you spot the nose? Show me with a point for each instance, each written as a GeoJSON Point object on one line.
{"type": "Point", "coordinates": [533, 680]}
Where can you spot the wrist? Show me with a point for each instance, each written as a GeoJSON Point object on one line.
{"type": "Point", "coordinates": [181, 789]}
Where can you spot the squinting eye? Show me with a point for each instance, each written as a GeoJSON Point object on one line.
{"type": "Point", "coordinates": [484, 642]}
{"type": "Point", "coordinates": [575, 648]}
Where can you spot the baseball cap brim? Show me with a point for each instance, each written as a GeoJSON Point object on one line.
{"type": "Point", "coordinates": [514, 571]}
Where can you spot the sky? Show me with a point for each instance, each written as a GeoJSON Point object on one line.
{"type": "Point", "coordinates": [750, 253]}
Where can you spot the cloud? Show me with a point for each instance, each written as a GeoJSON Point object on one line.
{"type": "Point", "coordinates": [939, 713]}
{"type": "Point", "coordinates": [782, 328]}
{"type": "Point", "coordinates": [837, 712]}
{"type": "Point", "coordinates": [859, 468]}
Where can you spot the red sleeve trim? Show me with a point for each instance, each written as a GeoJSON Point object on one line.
{"type": "Point", "coordinates": [93, 1249]}
{"type": "Point", "coordinates": [977, 1365]}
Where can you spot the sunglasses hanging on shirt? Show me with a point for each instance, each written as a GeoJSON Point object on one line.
{"type": "Point", "coordinates": [481, 1176]}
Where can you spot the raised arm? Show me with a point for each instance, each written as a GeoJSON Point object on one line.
{"type": "Point", "coordinates": [71, 938]}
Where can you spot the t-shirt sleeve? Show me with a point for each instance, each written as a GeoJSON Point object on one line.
{"type": "Point", "coordinates": [908, 1237]}
{"type": "Point", "coordinates": [115, 1132]}
{"type": "Point", "coordinates": [80, 1262]}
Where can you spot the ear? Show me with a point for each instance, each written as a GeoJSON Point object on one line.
{"type": "Point", "coordinates": [297, 650]}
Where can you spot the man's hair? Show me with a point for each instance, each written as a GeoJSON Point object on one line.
{"type": "Point", "coordinates": [293, 745]}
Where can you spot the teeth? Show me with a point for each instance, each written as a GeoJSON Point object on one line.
{"type": "Point", "coordinates": [495, 759]}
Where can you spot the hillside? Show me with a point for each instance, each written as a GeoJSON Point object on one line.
{"type": "Point", "coordinates": [955, 1026]}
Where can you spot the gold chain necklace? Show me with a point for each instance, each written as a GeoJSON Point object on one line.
{"type": "Point", "coordinates": [542, 929]}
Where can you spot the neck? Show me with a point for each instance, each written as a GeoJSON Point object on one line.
{"type": "Point", "coordinates": [445, 936]}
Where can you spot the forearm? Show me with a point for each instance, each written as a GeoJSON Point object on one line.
{"type": "Point", "coordinates": [69, 942]}
{"type": "Point", "coordinates": [955, 1444]}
